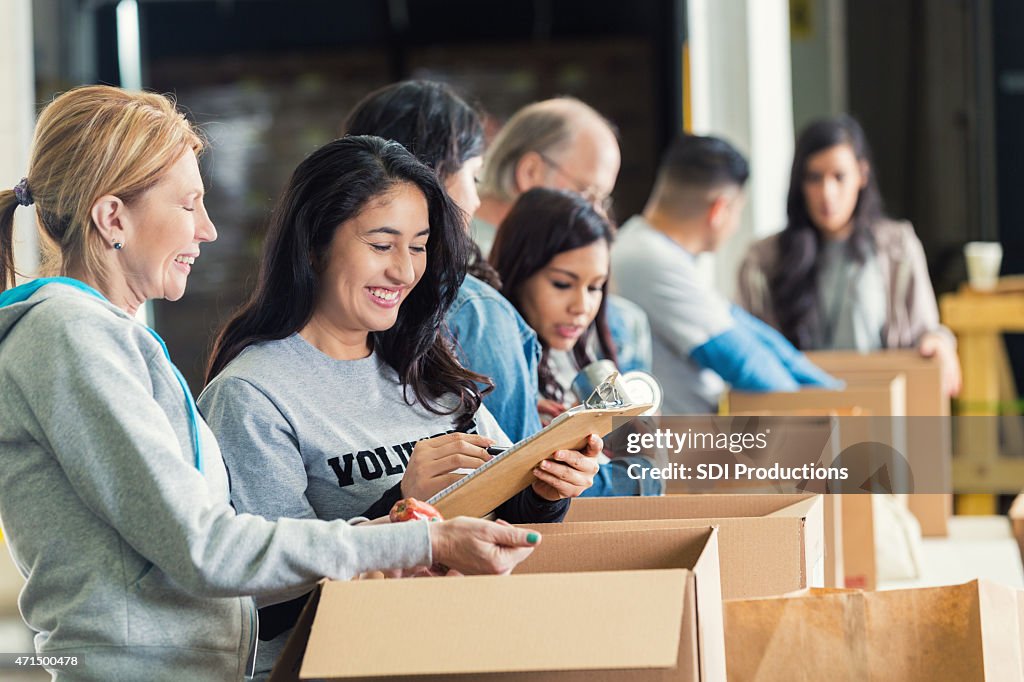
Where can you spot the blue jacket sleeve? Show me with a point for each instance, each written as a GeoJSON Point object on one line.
{"type": "Point", "coordinates": [631, 333]}
{"type": "Point", "coordinates": [802, 370]}
{"type": "Point", "coordinates": [489, 341]}
{"type": "Point", "coordinates": [744, 362]}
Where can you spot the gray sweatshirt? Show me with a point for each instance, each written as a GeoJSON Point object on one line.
{"type": "Point", "coordinates": [308, 436]}
{"type": "Point", "coordinates": [134, 560]}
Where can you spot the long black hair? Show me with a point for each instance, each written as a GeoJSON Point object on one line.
{"type": "Point", "coordinates": [542, 224]}
{"type": "Point", "coordinates": [334, 185]}
{"type": "Point", "coordinates": [436, 125]}
{"type": "Point", "coordinates": [793, 279]}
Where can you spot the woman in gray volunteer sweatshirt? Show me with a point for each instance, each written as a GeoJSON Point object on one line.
{"type": "Point", "coordinates": [113, 494]}
{"type": "Point", "coordinates": [335, 392]}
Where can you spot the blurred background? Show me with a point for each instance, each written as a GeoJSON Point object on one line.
{"type": "Point", "coordinates": [937, 84]}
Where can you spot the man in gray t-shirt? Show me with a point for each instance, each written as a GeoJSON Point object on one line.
{"type": "Point", "coordinates": [701, 342]}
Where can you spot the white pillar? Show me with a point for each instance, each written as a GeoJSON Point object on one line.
{"type": "Point", "coordinates": [17, 116]}
{"type": "Point", "coordinates": [741, 90]}
{"type": "Point", "coordinates": [818, 53]}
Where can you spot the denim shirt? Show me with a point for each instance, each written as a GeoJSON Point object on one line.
{"type": "Point", "coordinates": [630, 332]}
{"type": "Point", "coordinates": [491, 338]}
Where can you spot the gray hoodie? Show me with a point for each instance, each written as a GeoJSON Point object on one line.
{"type": "Point", "coordinates": [135, 561]}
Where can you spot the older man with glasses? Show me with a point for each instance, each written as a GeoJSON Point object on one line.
{"type": "Point", "coordinates": [560, 143]}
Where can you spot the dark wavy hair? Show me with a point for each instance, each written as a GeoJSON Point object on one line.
{"type": "Point", "coordinates": [436, 125]}
{"type": "Point", "coordinates": [332, 186]}
{"type": "Point", "coordinates": [542, 224]}
{"type": "Point", "coordinates": [793, 281]}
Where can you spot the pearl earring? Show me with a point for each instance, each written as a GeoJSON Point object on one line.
{"type": "Point", "coordinates": [118, 246]}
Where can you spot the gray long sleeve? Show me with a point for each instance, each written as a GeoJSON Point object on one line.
{"type": "Point", "coordinates": [123, 542]}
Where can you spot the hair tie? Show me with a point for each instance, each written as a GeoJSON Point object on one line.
{"type": "Point", "coordinates": [22, 193]}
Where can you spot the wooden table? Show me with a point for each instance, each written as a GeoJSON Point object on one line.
{"type": "Point", "coordinates": [979, 320]}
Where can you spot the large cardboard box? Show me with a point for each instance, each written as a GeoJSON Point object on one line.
{"type": "Point", "coordinates": [1017, 519]}
{"type": "Point", "coordinates": [880, 394]}
{"type": "Point", "coordinates": [964, 632]}
{"type": "Point", "coordinates": [929, 441]}
{"type": "Point", "coordinates": [768, 544]}
{"type": "Point", "coordinates": [636, 606]}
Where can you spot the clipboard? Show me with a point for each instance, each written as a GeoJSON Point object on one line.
{"type": "Point", "coordinates": [479, 493]}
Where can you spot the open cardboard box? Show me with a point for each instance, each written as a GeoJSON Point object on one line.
{"type": "Point", "coordinates": [768, 544]}
{"type": "Point", "coordinates": [964, 632]}
{"type": "Point", "coordinates": [629, 605]}
{"type": "Point", "coordinates": [929, 442]}
{"type": "Point", "coordinates": [1017, 519]}
{"type": "Point", "coordinates": [882, 394]}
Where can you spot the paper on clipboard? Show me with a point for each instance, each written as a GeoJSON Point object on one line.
{"type": "Point", "coordinates": [480, 492]}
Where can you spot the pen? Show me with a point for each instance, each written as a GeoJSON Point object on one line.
{"type": "Point", "coordinates": [496, 450]}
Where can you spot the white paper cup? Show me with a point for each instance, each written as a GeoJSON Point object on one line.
{"type": "Point", "coordinates": [983, 261]}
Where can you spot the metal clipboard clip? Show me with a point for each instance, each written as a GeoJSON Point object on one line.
{"type": "Point", "coordinates": [609, 393]}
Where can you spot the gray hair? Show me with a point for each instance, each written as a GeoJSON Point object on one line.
{"type": "Point", "coordinates": [542, 127]}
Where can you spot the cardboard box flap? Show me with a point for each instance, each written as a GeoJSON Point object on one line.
{"type": "Point", "coordinates": [679, 506]}
{"type": "Point", "coordinates": [759, 556]}
{"type": "Point", "coordinates": [441, 624]}
{"type": "Point", "coordinates": [710, 643]}
{"type": "Point", "coordinates": [606, 547]}
{"type": "Point", "coordinates": [661, 544]}
{"type": "Point", "coordinates": [811, 510]}
{"type": "Point", "coordinates": [800, 508]}
{"type": "Point", "coordinates": [286, 668]}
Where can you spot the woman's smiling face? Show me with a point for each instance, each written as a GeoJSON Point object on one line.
{"type": "Point", "coordinates": [374, 261]}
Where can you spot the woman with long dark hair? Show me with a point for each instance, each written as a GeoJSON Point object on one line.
{"type": "Point", "coordinates": [491, 338]}
{"type": "Point", "coordinates": [552, 254]}
{"type": "Point", "coordinates": [843, 275]}
{"type": "Point", "coordinates": [333, 391]}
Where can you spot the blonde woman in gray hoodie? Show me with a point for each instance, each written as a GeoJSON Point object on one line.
{"type": "Point", "coordinates": [113, 494]}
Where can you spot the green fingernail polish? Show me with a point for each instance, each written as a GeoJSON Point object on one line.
{"type": "Point", "coordinates": [532, 538]}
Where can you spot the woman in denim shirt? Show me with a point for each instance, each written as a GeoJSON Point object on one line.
{"type": "Point", "coordinates": [552, 254]}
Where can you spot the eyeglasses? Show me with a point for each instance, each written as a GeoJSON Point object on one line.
{"type": "Point", "coordinates": [588, 192]}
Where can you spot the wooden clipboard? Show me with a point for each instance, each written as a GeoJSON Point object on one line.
{"type": "Point", "coordinates": [479, 493]}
